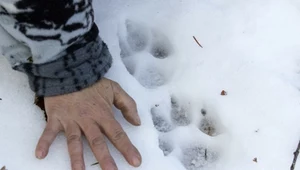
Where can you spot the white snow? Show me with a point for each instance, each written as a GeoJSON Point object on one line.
{"type": "Point", "coordinates": [251, 50]}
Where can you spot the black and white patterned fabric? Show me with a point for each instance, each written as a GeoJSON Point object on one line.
{"type": "Point", "coordinates": [55, 42]}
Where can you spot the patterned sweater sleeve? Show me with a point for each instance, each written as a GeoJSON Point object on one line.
{"type": "Point", "coordinates": [55, 42]}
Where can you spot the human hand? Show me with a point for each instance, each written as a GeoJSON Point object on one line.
{"type": "Point", "coordinates": [89, 111]}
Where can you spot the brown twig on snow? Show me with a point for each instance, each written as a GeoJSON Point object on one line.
{"type": "Point", "coordinates": [296, 153]}
{"type": "Point", "coordinates": [97, 163]}
{"type": "Point", "coordinates": [197, 41]}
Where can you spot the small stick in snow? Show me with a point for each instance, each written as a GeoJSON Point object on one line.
{"type": "Point", "coordinates": [197, 41]}
{"type": "Point", "coordinates": [296, 153]}
{"type": "Point", "coordinates": [95, 164]}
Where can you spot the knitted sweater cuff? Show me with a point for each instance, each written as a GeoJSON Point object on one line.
{"type": "Point", "coordinates": [79, 66]}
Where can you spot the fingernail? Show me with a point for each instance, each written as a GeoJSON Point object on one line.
{"type": "Point", "coordinates": [39, 154]}
{"type": "Point", "coordinates": [136, 157]}
{"type": "Point", "coordinates": [138, 121]}
{"type": "Point", "coordinates": [136, 161]}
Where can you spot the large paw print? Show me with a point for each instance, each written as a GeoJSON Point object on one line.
{"type": "Point", "coordinates": [142, 51]}
{"type": "Point", "coordinates": [193, 156]}
{"type": "Point", "coordinates": [145, 52]}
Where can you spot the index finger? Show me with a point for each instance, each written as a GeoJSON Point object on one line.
{"type": "Point", "coordinates": [126, 104]}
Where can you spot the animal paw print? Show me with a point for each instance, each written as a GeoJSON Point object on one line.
{"type": "Point", "coordinates": [193, 156]}
{"type": "Point", "coordinates": [142, 51]}
{"type": "Point", "coordinates": [208, 125]}
{"type": "Point", "coordinates": [179, 114]}
{"type": "Point", "coordinates": [197, 157]}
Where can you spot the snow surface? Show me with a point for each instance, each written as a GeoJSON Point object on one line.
{"type": "Point", "coordinates": [251, 50]}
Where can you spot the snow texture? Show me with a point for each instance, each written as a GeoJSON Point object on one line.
{"type": "Point", "coordinates": [251, 49]}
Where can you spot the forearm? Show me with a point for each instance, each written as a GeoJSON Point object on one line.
{"type": "Point", "coordinates": [62, 52]}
